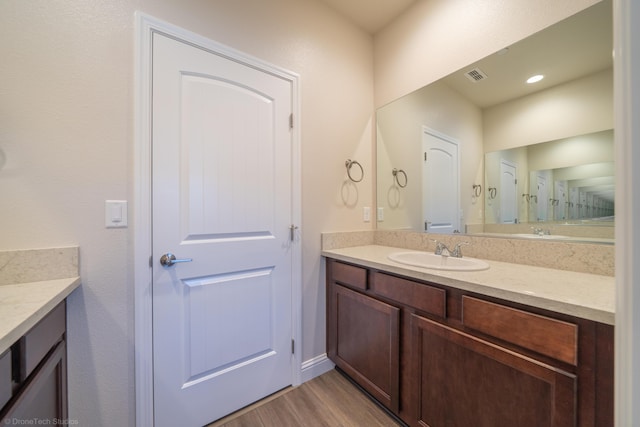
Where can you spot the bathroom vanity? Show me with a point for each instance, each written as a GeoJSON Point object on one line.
{"type": "Point", "coordinates": [447, 348]}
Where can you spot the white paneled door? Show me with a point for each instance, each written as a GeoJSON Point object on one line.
{"type": "Point", "coordinates": [222, 206]}
{"type": "Point", "coordinates": [440, 178]}
{"type": "Point", "coordinates": [509, 190]}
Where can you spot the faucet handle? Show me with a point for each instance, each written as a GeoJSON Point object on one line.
{"type": "Point", "coordinates": [457, 249]}
{"type": "Point", "coordinates": [440, 247]}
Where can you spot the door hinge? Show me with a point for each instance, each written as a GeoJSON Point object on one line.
{"type": "Point", "coordinates": [293, 346]}
{"type": "Point", "coordinates": [150, 261]}
{"type": "Point", "coordinates": [291, 121]}
{"type": "Point", "coordinates": [425, 156]}
{"type": "Point", "coordinates": [292, 232]}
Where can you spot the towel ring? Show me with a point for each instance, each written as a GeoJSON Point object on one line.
{"type": "Point", "coordinates": [477, 190]}
{"type": "Point", "coordinates": [395, 172]}
{"type": "Point", "coordinates": [493, 192]}
{"type": "Point", "coordinates": [348, 165]}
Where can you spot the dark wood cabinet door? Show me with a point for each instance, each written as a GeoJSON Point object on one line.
{"type": "Point", "coordinates": [460, 381]}
{"type": "Point", "coordinates": [363, 341]}
{"type": "Point", "coordinates": [43, 397]}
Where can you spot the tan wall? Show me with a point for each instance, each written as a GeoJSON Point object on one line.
{"type": "Point", "coordinates": [399, 145]}
{"type": "Point", "coordinates": [578, 107]}
{"type": "Point", "coordinates": [437, 37]}
{"type": "Point", "coordinates": [66, 129]}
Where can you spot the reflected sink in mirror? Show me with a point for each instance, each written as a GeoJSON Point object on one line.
{"type": "Point", "coordinates": [541, 236]}
{"type": "Point", "coordinates": [438, 262]}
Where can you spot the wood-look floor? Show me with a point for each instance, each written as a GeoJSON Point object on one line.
{"type": "Point", "coordinates": [329, 400]}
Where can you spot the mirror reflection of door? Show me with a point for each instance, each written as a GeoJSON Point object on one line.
{"type": "Point", "coordinates": [508, 192]}
{"type": "Point", "coordinates": [542, 198]}
{"type": "Point", "coordinates": [440, 178]}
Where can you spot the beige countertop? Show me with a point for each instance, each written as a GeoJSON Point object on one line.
{"type": "Point", "coordinates": [23, 305]}
{"type": "Point", "coordinates": [584, 295]}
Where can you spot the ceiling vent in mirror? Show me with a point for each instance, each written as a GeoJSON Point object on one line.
{"type": "Point", "coordinates": [475, 75]}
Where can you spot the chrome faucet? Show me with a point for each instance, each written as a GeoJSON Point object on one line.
{"type": "Point", "coordinates": [442, 249]}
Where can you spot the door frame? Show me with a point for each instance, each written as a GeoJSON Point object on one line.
{"type": "Point", "coordinates": [145, 26]}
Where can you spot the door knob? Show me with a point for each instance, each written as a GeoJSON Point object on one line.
{"type": "Point", "coordinates": [168, 259]}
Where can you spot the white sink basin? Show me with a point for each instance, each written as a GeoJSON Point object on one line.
{"type": "Point", "coordinates": [438, 262]}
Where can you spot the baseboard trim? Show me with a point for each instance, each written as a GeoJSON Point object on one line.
{"type": "Point", "coordinates": [316, 366]}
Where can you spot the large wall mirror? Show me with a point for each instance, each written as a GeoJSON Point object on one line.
{"type": "Point", "coordinates": [482, 151]}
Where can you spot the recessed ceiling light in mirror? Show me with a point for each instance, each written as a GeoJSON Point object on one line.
{"type": "Point", "coordinates": [535, 79]}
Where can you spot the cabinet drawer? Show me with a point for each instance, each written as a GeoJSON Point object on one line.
{"type": "Point", "coordinates": [41, 338]}
{"type": "Point", "coordinates": [349, 275]}
{"type": "Point", "coordinates": [541, 334]}
{"type": "Point", "coordinates": [428, 299]}
{"type": "Point", "coordinates": [5, 378]}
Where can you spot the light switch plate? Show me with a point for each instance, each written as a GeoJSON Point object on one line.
{"type": "Point", "coordinates": [366, 214]}
{"type": "Point", "coordinates": [115, 213]}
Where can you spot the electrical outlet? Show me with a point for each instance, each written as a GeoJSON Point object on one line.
{"type": "Point", "coordinates": [380, 214]}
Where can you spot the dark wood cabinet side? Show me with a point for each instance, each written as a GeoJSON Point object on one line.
{"type": "Point", "coordinates": [604, 386]}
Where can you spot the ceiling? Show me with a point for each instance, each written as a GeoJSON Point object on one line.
{"type": "Point", "coordinates": [371, 15]}
{"type": "Point", "coordinates": [585, 38]}
{"type": "Point", "coordinates": [575, 47]}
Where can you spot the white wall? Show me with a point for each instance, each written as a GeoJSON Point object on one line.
{"type": "Point", "coordinates": [66, 128]}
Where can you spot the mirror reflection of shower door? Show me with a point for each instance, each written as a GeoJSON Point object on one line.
{"type": "Point", "coordinates": [559, 207]}
{"type": "Point", "coordinates": [441, 212]}
{"type": "Point", "coordinates": [583, 204]}
{"type": "Point", "coordinates": [542, 198]}
{"type": "Point", "coordinates": [508, 192]}
{"type": "Point", "coordinates": [574, 201]}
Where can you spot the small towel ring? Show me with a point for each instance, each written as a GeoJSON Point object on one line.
{"type": "Point", "coordinates": [395, 172]}
{"type": "Point", "coordinates": [477, 190]}
{"type": "Point", "coordinates": [493, 192]}
{"type": "Point", "coordinates": [348, 165]}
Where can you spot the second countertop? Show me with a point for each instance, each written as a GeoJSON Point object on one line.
{"type": "Point", "coordinates": [583, 295]}
{"type": "Point", "coordinates": [25, 304]}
